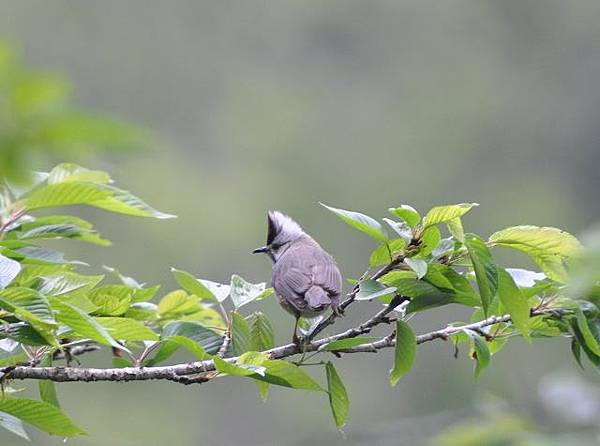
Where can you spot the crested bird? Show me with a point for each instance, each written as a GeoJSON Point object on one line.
{"type": "Point", "coordinates": [306, 278]}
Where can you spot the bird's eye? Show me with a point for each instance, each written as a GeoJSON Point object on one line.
{"type": "Point", "coordinates": [275, 246]}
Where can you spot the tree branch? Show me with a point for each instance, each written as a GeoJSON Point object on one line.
{"type": "Point", "coordinates": [205, 370]}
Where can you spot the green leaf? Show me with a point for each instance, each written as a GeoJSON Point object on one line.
{"type": "Point", "coordinates": [9, 269]}
{"type": "Point", "coordinates": [61, 226]}
{"type": "Point", "coordinates": [40, 414]}
{"type": "Point", "coordinates": [369, 289]}
{"type": "Point", "coordinates": [243, 292]}
{"type": "Point", "coordinates": [338, 397]}
{"type": "Point", "coordinates": [26, 334]}
{"type": "Point", "coordinates": [359, 221]}
{"type": "Point", "coordinates": [111, 300]}
{"type": "Point", "coordinates": [46, 387]}
{"type": "Point", "coordinates": [101, 196]}
{"type": "Point", "coordinates": [66, 283]}
{"type": "Point", "coordinates": [219, 290]}
{"type": "Point", "coordinates": [515, 303]}
{"type": "Point", "coordinates": [430, 239]}
{"type": "Point", "coordinates": [419, 266]}
{"type": "Point", "coordinates": [177, 302]}
{"type": "Point", "coordinates": [455, 228]}
{"type": "Point", "coordinates": [404, 353]}
{"type": "Point", "coordinates": [486, 271]}
{"type": "Point", "coordinates": [207, 338]}
{"type": "Point", "coordinates": [82, 324]}
{"type": "Point", "coordinates": [343, 344]}
{"type": "Point", "coordinates": [14, 425]}
{"type": "Point", "coordinates": [406, 213]}
{"type": "Point", "coordinates": [444, 214]}
{"type": "Point", "coordinates": [383, 254]}
{"type": "Point", "coordinates": [549, 247]}
{"type": "Point", "coordinates": [192, 285]}
{"type": "Point", "coordinates": [278, 372]}
{"type": "Point", "coordinates": [447, 279]}
{"type": "Point", "coordinates": [423, 295]}
{"type": "Point", "coordinates": [69, 172]}
{"type": "Point", "coordinates": [481, 353]}
{"type": "Point", "coordinates": [171, 344]}
{"type": "Point", "coordinates": [402, 229]}
{"type": "Point", "coordinates": [126, 329]}
{"type": "Point", "coordinates": [261, 332]}
{"type": "Point", "coordinates": [29, 305]}
{"type": "Point", "coordinates": [240, 334]}
{"type": "Point", "coordinates": [589, 332]}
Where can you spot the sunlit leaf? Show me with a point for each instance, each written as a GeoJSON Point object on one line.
{"type": "Point", "coordinates": [338, 397]}
{"type": "Point", "coordinates": [443, 214]}
{"type": "Point", "coordinates": [359, 221]}
{"type": "Point", "coordinates": [515, 303]}
{"type": "Point", "coordinates": [40, 414]}
{"type": "Point", "coordinates": [406, 213]}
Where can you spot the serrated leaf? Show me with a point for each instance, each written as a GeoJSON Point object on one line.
{"type": "Point", "coordinates": [126, 329]}
{"type": "Point", "coordinates": [419, 266]}
{"type": "Point", "coordinates": [40, 414]}
{"type": "Point", "coordinates": [29, 305]}
{"type": "Point", "coordinates": [514, 302]}
{"type": "Point", "coordinates": [369, 289]}
{"type": "Point", "coordinates": [240, 334]}
{"type": "Point", "coordinates": [486, 271]}
{"type": "Point", "coordinates": [9, 269]}
{"type": "Point", "coordinates": [444, 214]}
{"type": "Point", "coordinates": [338, 397]}
{"type": "Point", "coordinates": [359, 221]}
{"type": "Point", "coordinates": [261, 332]}
{"type": "Point", "coordinates": [178, 302]}
{"type": "Point", "coordinates": [82, 324]}
{"type": "Point", "coordinates": [111, 300]}
{"type": "Point", "coordinates": [65, 283]}
{"type": "Point", "coordinates": [243, 292]}
{"type": "Point", "coordinates": [406, 213]}
{"type": "Point", "coordinates": [101, 196]}
{"type": "Point", "coordinates": [192, 285]}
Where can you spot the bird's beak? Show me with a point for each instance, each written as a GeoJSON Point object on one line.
{"type": "Point", "coordinates": [261, 250]}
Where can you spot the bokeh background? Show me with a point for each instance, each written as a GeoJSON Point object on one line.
{"type": "Point", "coordinates": [258, 105]}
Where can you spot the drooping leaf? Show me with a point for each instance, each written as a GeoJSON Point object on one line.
{"type": "Point", "coordinates": [455, 228]}
{"type": "Point", "coordinates": [338, 397]}
{"type": "Point", "coordinates": [486, 271]}
{"type": "Point", "coordinates": [406, 213]}
{"type": "Point", "coordinates": [589, 332]}
{"type": "Point", "coordinates": [447, 279]}
{"type": "Point", "coordinates": [14, 425]}
{"type": "Point", "coordinates": [481, 353]}
{"type": "Point", "coordinates": [515, 303]}
{"type": "Point", "coordinates": [46, 387]}
{"type": "Point", "coordinates": [404, 353]}
{"type": "Point", "coordinates": [359, 221]}
{"type": "Point", "coordinates": [40, 414]}
{"type": "Point", "coordinates": [243, 292]}
{"type": "Point", "coordinates": [444, 214]}
{"type": "Point", "coordinates": [430, 239]}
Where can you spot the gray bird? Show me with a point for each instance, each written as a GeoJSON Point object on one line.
{"type": "Point", "coordinates": [306, 278]}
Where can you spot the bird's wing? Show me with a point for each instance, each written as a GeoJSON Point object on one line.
{"type": "Point", "coordinates": [327, 275]}
{"type": "Point", "coordinates": [291, 284]}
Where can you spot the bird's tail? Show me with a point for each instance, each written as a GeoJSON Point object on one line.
{"type": "Point", "coordinates": [317, 298]}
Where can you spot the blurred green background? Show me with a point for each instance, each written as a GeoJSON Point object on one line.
{"type": "Point", "coordinates": [261, 105]}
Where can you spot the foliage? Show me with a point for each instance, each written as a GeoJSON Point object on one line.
{"type": "Point", "coordinates": [38, 122]}
{"type": "Point", "coordinates": [51, 311]}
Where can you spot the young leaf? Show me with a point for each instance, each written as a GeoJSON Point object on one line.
{"type": "Point", "coordinates": [240, 334]}
{"type": "Point", "coordinates": [406, 213]}
{"type": "Point", "coordinates": [261, 332]}
{"type": "Point", "coordinates": [338, 397]}
{"type": "Point", "coordinates": [486, 271]}
{"type": "Point", "coordinates": [126, 329]}
{"type": "Point", "coordinates": [528, 239]}
{"type": "Point", "coordinates": [40, 414]}
{"type": "Point", "coordinates": [192, 285]}
{"type": "Point", "coordinates": [443, 214]}
{"type": "Point", "coordinates": [177, 302]}
{"type": "Point", "coordinates": [404, 353]}
{"type": "Point", "coordinates": [359, 221]}
{"type": "Point", "coordinates": [515, 303]}
{"type": "Point", "coordinates": [243, 292]}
